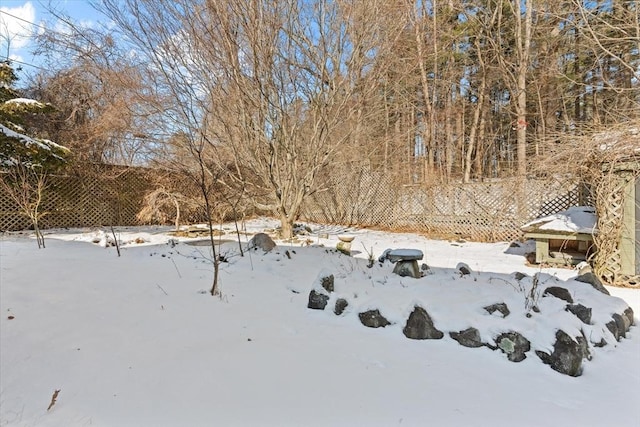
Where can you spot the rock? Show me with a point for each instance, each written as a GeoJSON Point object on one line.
{"type": "Point", "coordinates": [403, 255]}
{"type": "Point", "coordinates": [463, 268]}
{"type": "Point", "coordinates": [593, 280]}
{"type": "Point", "coordinates": [612, 326]}
{"type": "Point", "coordinates": [627, 316]}
{"type": "Point", "coordinates": [262, 241]}
{"type": "Point", "coordinates": [530, 257]}
{"type": "Point", "coordinates": [407, 269]}
{"type": "Point", "coordinates": [500, 307]}
{"type": "Point", "coordinates": [341, 304]}
{"type": "Point", "coordinates": [600, 343]}
{"type": "Point", "coordinates": [384, 256]}
{"type": "Point", "coordinates": [558, 292]}
{"type": "Point", "coordinates": [519, 276]}
{"type": "Point", "coordinates": [373, 319]}
{"type": "Point", "coordinates": [317, 301]}
{"type": "Point", "coordinates": [583, 268]}
{"type": "Point", "coordinates": [620, 326]}
{"type": "Point", "coordinates": [420, 326]}
{"type": "Point", "coordinates": [470, 337]}
{"type": "Point", "coordinates": [514, 345]}
{"type": "Point", "coordinates": [581, 312]}
{"type": "Point", "coordinates": [327, 282]}
{"type": "Point", "coordinates": [567, 355]}
{"type": "Point", "coordinates": [344, 248]}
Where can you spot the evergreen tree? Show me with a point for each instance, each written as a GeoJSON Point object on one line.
{"type": "Point", "coordinates": [17, 144]}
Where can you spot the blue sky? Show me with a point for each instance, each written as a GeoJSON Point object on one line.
{"type": "Point", "coordinates": [21, 19]}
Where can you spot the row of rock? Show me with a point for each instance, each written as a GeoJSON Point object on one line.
{"type": "Point", "coordinates": [568, 351]}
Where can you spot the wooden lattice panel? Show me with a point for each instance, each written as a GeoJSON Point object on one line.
{"type": "Point", "coordinates": [72, 201]}
{"type": "Point", "coordinates": [477, 211]}
{"type": "Point", "coordinates": [610, 199]}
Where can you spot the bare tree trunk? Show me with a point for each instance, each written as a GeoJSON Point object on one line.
{"type": "Point", "coordinates": [523, 46]}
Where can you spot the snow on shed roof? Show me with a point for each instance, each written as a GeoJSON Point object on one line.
{"type": "Point", "coordinates": [577, 219]}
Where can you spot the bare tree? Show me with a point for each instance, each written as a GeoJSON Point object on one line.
{"type": "Point", "coordinates": [268, 88]}
{"type": "Point", "coordinates": [25, 184]}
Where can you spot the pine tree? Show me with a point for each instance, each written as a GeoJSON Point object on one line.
{"type": "Point", "coordinates": [17, 146]}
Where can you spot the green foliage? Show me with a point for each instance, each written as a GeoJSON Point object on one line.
{"type": "Point", "coordinates": [16, 144]}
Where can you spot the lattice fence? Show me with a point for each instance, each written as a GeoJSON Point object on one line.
{"type": "Point", "coordinates": [73, 201]}
{"type": "Point", "coordinates": [492, 211]}
{"type": "Point", "coordinates": [478, 211]}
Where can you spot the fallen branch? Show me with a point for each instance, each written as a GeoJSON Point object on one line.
{"type": "Point", "coordinates": [53, 399]}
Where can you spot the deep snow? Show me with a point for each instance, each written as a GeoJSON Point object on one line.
{"type": "Point", "coordinates": [136, 340]}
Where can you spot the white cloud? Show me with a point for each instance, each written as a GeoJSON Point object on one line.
{"type": "Point", "coordinates": [15, 33]}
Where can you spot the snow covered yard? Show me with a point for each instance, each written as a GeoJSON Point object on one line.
{"type": "Point", "coordinates": [137, 340]}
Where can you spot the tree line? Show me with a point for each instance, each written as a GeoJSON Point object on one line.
{"type": "Point", "coordinates": [271, 102]}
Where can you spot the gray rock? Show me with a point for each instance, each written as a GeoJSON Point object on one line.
{"type": "Point", "coordinates": [341, 304]}
{"type": "Point", "coordinates": [593, 280]}
{"type": "Point", "coordinates": [519, 276]}
{"type": "Point", "coordinates": [403, 255]}
{"type": "Point", "coordinates": [581, 312]}
{"type": "Point", "coordinates": [612, 326]}
{"type": "Point", "coordinates": [420, 326]}
{"type": "Point", "coordinates": [407, 269]}
{"type": "Point", "coordinates": [627, 316]}
{"type": "Point", "coordinates": [600, 343]}
{"type": "Point", "coordinates": [500, 307]}
{"type": "Point", "coordinates": [620, 325]}
{"type": "Point", "coordinates": [514, 345]}
{"type": "Point", "coordinates": [262, 241]}
{"type": "Point", "coordinates": [568, 354]}
{"type": "Point", "coordinates": [558, 292]}
{"type": "Point", "coordinates": [463, 268]}
{"type": "Point", "coordinates": [327, 282]}
{"type": "Point", "coordinates": [470, 337]}
{"type": "Point", "coordinates": [373, 319]}
{"type": "Point", "coordinates": [384, 257]}
{"type": "Point", "coordinates": [317, 301]}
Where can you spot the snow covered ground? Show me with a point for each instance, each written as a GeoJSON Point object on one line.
{"type": "Point", "coordinates": [136, 340]}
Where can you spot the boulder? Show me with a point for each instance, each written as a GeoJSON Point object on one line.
{"type": "Point", "coordinates": [499, 307]}
{"type": "Point", "coordinates": [341, 304]}
{"type": "Point", "coordinates": [581, 312]}
{"type": "Point", "coordinates": [470, 337]}
{"type": "Point", "coordinates": [327, 282]}
{"type": "Point", "coordinates": [617, 327]}
{"type": "Point", "coordinates": [420, 326]}
{"type": "Point", "coordinates": [463, 268]}
{"type": "Point", "coordinates": [262, 241]}
{"type": "Point", "coordinates": [627, 316]}
{"type": "Point", "coordinates": [558, 292]}
{"type": "Point", "coordinates": [373, 319]}
{"type": "Point", "coordinates": [514, 345]}
{"type": "Point", "coordinates": [567, 355]}
{"type": "Point", "coordinates": [593, 280]}
{"type": "Point", "coordinates": [317, 300]}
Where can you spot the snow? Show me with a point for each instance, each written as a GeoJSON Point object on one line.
{"type": "Point", "coordinates": [137, 339]}
{"type": "Point", "coordinates": [43, 144]}
{"type": "Point", "coordinates": [577, 219]}
{"type": "Point", "coordinates": [25, 101]}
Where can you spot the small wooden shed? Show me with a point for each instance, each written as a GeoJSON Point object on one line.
{"type": "Point", "coordinates": [565, 237]}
